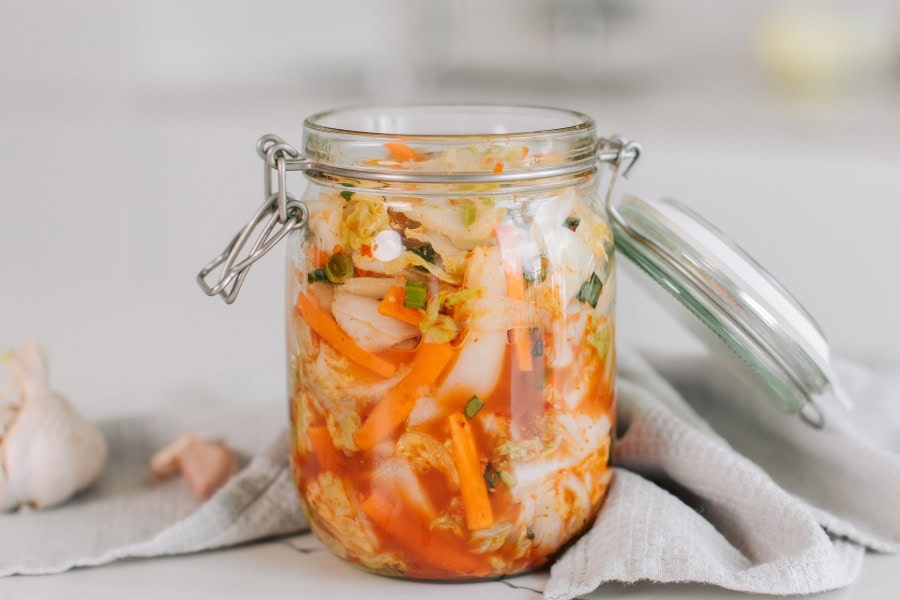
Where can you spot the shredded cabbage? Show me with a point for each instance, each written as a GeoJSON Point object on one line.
{"type": "Point", "coordinates": [438, 328]}
{"type": "Point", "coordinates": [365, 216]}
{"type": "Point", "coordinates": [411, 259]}
{"type": "Point", "coordinates": [424, 452]}
{"type": "Point", "coordinates": [599, 336]}
{"type": "Point", "coordinates": [335, 510]}
{"type": "Point", "coordinates": [342, 427]}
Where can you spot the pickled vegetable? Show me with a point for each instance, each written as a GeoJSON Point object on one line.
{"type": "Point", "coordinates": [452, 399]}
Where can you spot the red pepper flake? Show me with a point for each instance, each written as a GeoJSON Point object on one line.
{"type": "Point", "coordinates": [498, 168]}
{"type": "Point", "coordinates": [524, 151]}
{"type": "Point", "coordinates": [337, 249]}
{"type": "Point", "coordinates": [365, 250]}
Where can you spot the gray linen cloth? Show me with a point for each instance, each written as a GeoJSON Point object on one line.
{"type": "Point", "coordinates": [778, 508]}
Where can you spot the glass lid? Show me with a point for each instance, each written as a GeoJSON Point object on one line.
{"type": "Point", "coordinates": [737, 300]}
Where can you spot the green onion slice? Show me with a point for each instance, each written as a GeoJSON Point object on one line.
{"type": "Point", "coordinates": [346, 194]}
{"type": "Point", "coordinates": [425, 251]}
{"type": "Point", "coordinates": [469, 214]}
{"type": "Point", "coordinates": [491, 476]}
{"type": "Point", "coordinates": [416, 294]}
{"type": "Point", "coordinates": [338, 267]}
{"type": "Point", "coordinates": [573, 223]}
{"type": "Point", "coordinates": [535, 269]}
{"type": "Point", "coordinates": [316, 275]}
{"type": "Point", "coordinates": [590, 291]}
{"type": "Point", "coordinates": [472, 407]}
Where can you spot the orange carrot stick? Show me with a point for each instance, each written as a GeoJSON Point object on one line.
{"type": "Point", "coordinates": [326, 454]}
{"type": "Point", "coordinates": [392, 306]}
{"type": "Point", "coordinates": [328, 329]}
{"type": "Point", "coordinates": [402, 152]}
{"type": "Point", "coordinates": [405, 527]}
{"type": "Point", "coordinates": [472, 486]}
{"type": "Point", "coordinates": [425, 368]}
{"type": "Point", "coordinates": [509, 239]}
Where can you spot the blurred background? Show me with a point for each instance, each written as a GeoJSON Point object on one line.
{"type": "Point", "coordinates": [127, 134]}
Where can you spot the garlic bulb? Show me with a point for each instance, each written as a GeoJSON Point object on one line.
{"type": "Point", "coordinates": [47, 450]}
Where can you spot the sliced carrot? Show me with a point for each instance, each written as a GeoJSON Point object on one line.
{"type": "Point", "coordinates": [392, 306]}
{"type": "Point", "coordinates": [315, 257]}
{"type": "Point", "coordinates": [436, 549]}
{"type": "Point", "coordinates": [326, 454]}
{"type": "Point", "coordinates": [427, 364]}
{"type": "Point", "coordinates": [472, 486]}
{"type": "Point", "coordinates": [324, 324]}
{"type": "Point", "coordinates": [402, 152]}
{"type": "Point", "coordinates": [509, 239]}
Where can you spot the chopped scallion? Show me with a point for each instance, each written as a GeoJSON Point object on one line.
{"type": "Point", "coordinates": [573, 223]}
{"type": "Point", "coordinates": [317, 275]}
{"type": "Point", "coordinates": [507, 478]}
{"type": "Point", "coordinates": [347, 194]}
{"type": "Point", "coordinates": [590, 291]}
{"type": "Point", "coordinates": [491, 475]}
{"type": "Point", "coordinates": [425, 251]}
{"type": "Point", "coordinates": [338, 267]}
{"type": "Point", "coordinates": [529, 534]}
{"type": "Point", "coordinates": [469, 213]}
{"type": "Point", "coordinates": [537, 348]}
{"type": "Point", "coordinates": [535, 269]}
{"type": "Point", "coordinates": [416, 294]}
{"type": "Point", "coordinates": [472, 407]}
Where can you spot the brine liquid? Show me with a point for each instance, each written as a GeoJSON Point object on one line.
{"type": "Point", "coordinates": [452, 368]}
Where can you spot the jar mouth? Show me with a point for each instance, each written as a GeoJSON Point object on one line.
{"type": "Point", "coordinates": [451, 143]}
{"type": "Point", "coordinates": [450, 121]}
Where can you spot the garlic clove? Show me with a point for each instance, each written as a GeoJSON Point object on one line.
{"type": "Point", "coordinates": [206, 465]}
{"type": "Point", "coordinates": [165, 462]}
{"type": "Point", "coordinates": [49, 451]}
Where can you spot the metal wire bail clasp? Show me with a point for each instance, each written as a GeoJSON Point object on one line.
{"type": "Point", "coordinates": [618, 151]}
{"type": "Point", "coordinates": [278, 215]}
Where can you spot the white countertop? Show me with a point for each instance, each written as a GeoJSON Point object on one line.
{"type": "Point", "coordinates": [299, 567]}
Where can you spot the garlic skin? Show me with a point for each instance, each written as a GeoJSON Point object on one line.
{"type": "Point", "coordinates": [48, 452]}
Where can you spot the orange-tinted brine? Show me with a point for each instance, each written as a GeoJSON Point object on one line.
{"type": "Point", "coordinates": [452, 377]}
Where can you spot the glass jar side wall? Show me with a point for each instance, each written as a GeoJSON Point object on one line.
{"type": "Point", "coordinates": [451, 362]}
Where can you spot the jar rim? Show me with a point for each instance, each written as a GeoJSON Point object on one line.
{"type": "Point", "coordinates": [579, 123]}
{"type": "Point", "coordinates": [450, 143]}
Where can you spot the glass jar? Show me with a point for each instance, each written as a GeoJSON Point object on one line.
{"type": "Point", "coordinates": [451, 343]}
{"type": "Point", "coordinates": [450, 300]}
{"type": "Point", "coordinates": [450, 292]}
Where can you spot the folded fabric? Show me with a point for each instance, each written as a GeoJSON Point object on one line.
{"type": "Point", "coordinates": [778, 508]}
{"type": "Point", "coordinates": [781, 508]}
{"type": "Point", "coordinates": [127, 515]}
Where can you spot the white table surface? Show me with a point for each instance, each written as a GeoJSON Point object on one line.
{"type": "Point", "coordinates": [299, 567]}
